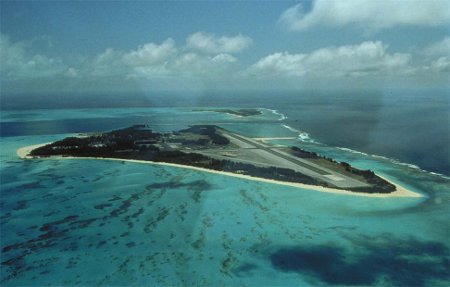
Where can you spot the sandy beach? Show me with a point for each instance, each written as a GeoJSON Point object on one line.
{"type": "Point", "coordinates": [24, 152]}
{"type": "Point", "coordinates": [400, 190]}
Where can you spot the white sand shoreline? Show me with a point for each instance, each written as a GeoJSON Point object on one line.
{"type": "Point", "coordinates": [400, 190]}
{"type": "Point", "coordinates": [24, 152]}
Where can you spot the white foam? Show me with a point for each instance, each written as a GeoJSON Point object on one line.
{"type": "Point", "coordinates": [352, 151]}
{"type": "Point", "coordinates": [302, 136]}
{"type": "Point", "coordinates": [398, 162]}
{"type": "Point", "coordinates": [276, 112]}
{"type": "Point", "coordinates": [440, 175]}
{"type": "Point", "coordinates": [394, 161]}
{"type": "Point", "coordinates": [291, 129]}
{"type": "Point", "coordinates": [413, 166]}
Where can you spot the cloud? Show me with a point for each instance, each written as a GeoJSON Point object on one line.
{"type": "Point", "coordinates": [108, 63]}
{"type": "Point", "coordinates": [189, 60]}
{"type": "Point", "coordinates": [441, 48]}
{"type": "Point", "coordinates": [206, 66]}
{"type": "Point", "coordinates": [149, 59]}
{"type": "Point", "coordinates": [151, 53]}
{"type": "Point", "coordinates": [367, 58]}
{"type": "Point", "coordinates": [289, 64]}
{"type": "Point", "coordinates": [440, 65]}
{"type": "Point", "coordinates": [370, 14]}
{"type": "Point", "coordinates": [214, 64]}
{"type": "Point", "coordinates": [436, 57]}
{"type": "Point", "coordinates": [210, 43]}
{"type": "Point", "coordinates": [17, 62]}
{"type": "Point", "coordinates": [153, 60]}
{"type": "Point", "coordinates": [223, 58]}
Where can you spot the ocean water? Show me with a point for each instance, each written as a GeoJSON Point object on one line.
{"type": "Point", "coordinates": [97, 222]}
{"type": "Point", "coordinates": [409, 127]}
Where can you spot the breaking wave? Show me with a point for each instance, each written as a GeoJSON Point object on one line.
{"type": "Point", "coordinates": [353, 151]}
{"type": "Point", "coordinates": [291, 129]}
{"type": "Point", "coordinates": [392, 160]}
{"type": "Point", "coordinates": [302, 136]}
{"type": "Point", "coordinates": [276, 112]}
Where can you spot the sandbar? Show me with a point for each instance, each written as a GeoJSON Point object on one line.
{"type": "Point", "coordinates": [400, 191]}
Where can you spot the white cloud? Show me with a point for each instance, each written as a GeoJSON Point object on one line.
{"type": "Point", "coordinates": [437, 57]}
{"type": "Point", "coordinates": [441, 48]}
{"type": "Point", "coordinates": [153, 60]}
{"type": "Point", "coordinates": [17, 62]}
{"type": "Point", "coordinates": [150, 59]}
{"type": "Point", "coordinates": [108, 63]}
{"type": "Point", "coordinates": [165, 62]}
{"type": "Point", "coordinates": [193, 63]}
{"type": "Point", "coordinates": [150, 53]}
{"type": "Point", "coordinates": [187, 59]}
{"type": "Point", "coordinates": [285, 63]}
{"type": "Point", "coordinates": [168, 60]}
{"type": "Point", "coordinates": [367, 58]}
{"type": "Point", "coordinates": [372, 14]}
{"type": "Point", "coordinates": [196, 65]}
{"type": "Point", "coordinates": [223, 58]}
{"type": "Point", "coordinates": [107, 57]}
{"type": "Point", "coordinates": [441, 65]}
{"type": "Point", "coordinates": [210, 43]}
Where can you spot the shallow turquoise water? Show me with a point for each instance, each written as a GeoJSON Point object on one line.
{"type": "Point", "coordinates": [93, 222]}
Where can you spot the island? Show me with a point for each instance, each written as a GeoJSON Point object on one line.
{"type": "Point", "coordinates": [236, 112]}
{"type": "Point", "coordinates": [214, 148]}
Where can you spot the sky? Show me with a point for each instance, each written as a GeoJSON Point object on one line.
{"type": "Point", "coordinates": [124, 46]}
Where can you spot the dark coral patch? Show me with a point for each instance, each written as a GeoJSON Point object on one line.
{"type": "Point", "coordinates": [405, 262]}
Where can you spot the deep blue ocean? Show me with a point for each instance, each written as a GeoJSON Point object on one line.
{"type": "Point", "coordinates": [78, 222]}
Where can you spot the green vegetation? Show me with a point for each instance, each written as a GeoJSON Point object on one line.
{"type": "Point", "coordinates": [208, 131]}
{"type": "Point", "coordinates": [303, 153]}
{"type": "Point", "coordinates": [378, 185]}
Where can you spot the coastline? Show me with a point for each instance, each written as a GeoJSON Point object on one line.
{"type": "Point", "coordinates": [400, 191]}
{"type": "Point", "coordinates": [23, 152]}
